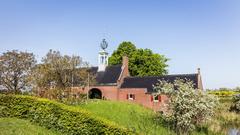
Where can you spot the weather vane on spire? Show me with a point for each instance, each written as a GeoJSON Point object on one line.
{"type": "Point", "coordinates": [104, 44]}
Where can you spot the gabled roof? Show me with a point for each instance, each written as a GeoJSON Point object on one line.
{"type": "Point", "coordinates": [148, 82]}
{"type": "Point", "coordinates": [109, 76]}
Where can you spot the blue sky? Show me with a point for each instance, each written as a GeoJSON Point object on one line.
{"type": "Point", "coordinates": [192, 33]}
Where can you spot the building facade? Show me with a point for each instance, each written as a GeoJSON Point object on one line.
{"type": "Point", "coordinates": [115, 83]}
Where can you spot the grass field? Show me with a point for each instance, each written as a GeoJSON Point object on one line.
{"type": "Point", "coordinates": [14, 126]}
{"type": "Point", "coordinates": [128, 115]}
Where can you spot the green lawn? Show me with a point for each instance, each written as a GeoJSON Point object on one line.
{"type": "Point", "coordinates": [128, 115]}
{"type": "Point", "coordinates": [14, 126]}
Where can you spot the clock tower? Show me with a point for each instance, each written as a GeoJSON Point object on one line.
{"type": "Point", "coordinates": [103, 56]}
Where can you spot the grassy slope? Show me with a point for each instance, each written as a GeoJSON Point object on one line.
{"type": "Point", "coordinates": [128, 115]}
{"type": "Point", "coordinates": [14, 126]}
{"type": "Point", "coordinates": [132, 116]}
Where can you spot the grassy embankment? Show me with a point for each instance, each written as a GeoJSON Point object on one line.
{"type": "Point", "coordinates": [141, 119]}
{"type": "Point", "coordinates": [131, 116]}
{"type": "Point", "coordinates": [128, 115]}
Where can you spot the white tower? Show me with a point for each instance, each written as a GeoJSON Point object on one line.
{"type": "Point", "coordinates": [103, 56]}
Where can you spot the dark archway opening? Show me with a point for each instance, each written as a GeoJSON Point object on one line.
{"type": "Point", "coordinates": [95, 94]}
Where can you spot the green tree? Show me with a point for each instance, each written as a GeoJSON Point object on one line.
{"type": "Point", "coordinates": [187, 107]}
{"type": "Point", "coordinates": [15, 69]}
{"type": "Point", "coordinates": [142, 62]}
{"type": "Point", "coordinates": [124, 49]}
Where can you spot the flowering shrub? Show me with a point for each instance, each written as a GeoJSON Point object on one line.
{"type": "Point", "coordinates": [188, 107]}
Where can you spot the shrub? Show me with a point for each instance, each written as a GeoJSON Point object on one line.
{"type": "Point", "coordinates": [235, 104]}
{"type": "Point", "coordinates": [223, 93]}
{"type": "Point", "coordinates": [51, 114]}
{"type": "Point", "coordinates": [4, 111]}
{"type": "Point", "coordinates": [188, 107]}
{"type": "Point", "coordinates": [75, 99]}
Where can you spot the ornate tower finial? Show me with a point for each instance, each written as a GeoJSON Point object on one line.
{"type": "Point", "coordinates": [103, 56]}
{"type": "Point", "coordinates": [104, 44]}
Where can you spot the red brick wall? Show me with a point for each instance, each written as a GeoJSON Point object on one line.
{"type": "Point", "coordinates": [141, 98]}
{"type": "Point", "coordinates": [108, 92]}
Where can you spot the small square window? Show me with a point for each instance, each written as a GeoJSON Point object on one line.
{"type": "Point", "coordinates": [156, 98]}
{"type": "Point", "coordinates": [131, 96]}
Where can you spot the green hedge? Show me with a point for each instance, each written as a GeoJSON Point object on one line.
{"type": "Point", "coordinates": [60, 117]}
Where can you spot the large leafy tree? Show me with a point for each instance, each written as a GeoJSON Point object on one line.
{"type": "Point", "coordinates": [142, 62]}
{"type": "Point", "coordinates": [61, 72]}
{"type": "Point", "coordinates": [124, 49]}
{"type": "Point", "coordinates": [58, 74]}
{"type": "Point", "coordinates": [15, 69]}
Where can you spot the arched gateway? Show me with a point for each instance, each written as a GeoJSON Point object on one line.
{"type": "Point", "coordinates": [95, 94]}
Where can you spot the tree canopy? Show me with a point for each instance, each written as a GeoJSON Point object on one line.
{"type": "Point", "coordinates": [15, 69]}
{"type": "Point", "coordinates": [142, 62]}
{"type": "Point", "coordinates": [60, 72]}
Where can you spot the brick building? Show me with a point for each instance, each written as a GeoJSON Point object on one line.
{"type": "Point", "coordinates": [115, 83]}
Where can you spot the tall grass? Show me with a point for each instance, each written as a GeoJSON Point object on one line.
{"type": "Point", "coordinates": [224, 120]}
{"type": "Point", "coordinates": [129, 115]}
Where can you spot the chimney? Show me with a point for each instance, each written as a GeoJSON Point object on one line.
{"type": "Point", "coordinates": [125, 71]}
{"type": "Point", "coordinates": [200, 85]}
{"type": "Point", "coordinates": [199, 71]}
{"type": "Point", "coordinates": [125, 61]}
{"type": "Point", "coordinates": [125, 66]}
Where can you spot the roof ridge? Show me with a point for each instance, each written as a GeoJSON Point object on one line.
{"type": "Point", "coordinates": [115, 65]}
{"type": "Point", "coordinates": [161, 75]}
{"type": "Point", "coordinates": [107, 66]}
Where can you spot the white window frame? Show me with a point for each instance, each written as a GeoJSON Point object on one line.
{"type": "Point", "coordinates": [154, 100]}
{"type": "Point", "coordinates": [129, 96]}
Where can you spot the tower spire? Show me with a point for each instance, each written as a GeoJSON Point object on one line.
{"type": "Point", "coordinates": [103, 56]}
